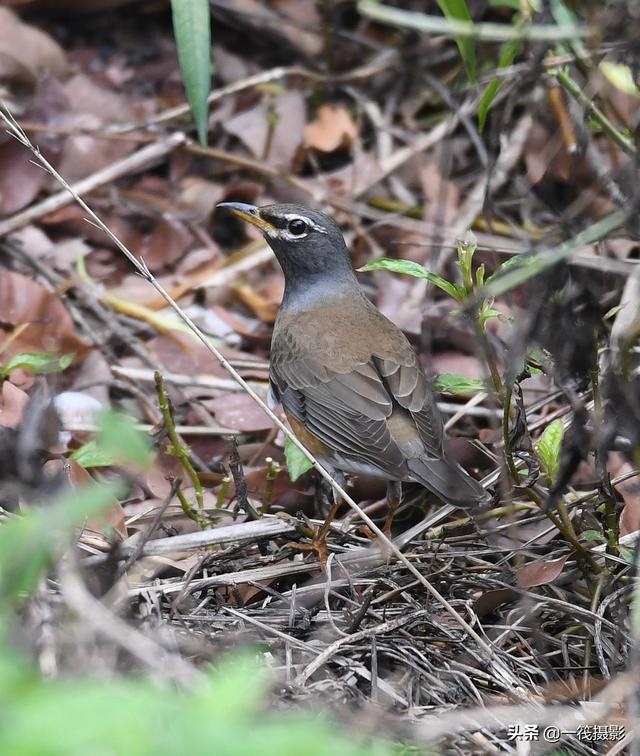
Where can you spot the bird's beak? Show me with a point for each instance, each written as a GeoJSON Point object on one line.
{"type": "Point", "coordinates": [250, 214]}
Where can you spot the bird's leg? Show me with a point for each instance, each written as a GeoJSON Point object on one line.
{"type": "Point", "coordinates": [394, 495]}
{"type": "Point", "coordinates": [319, 543]}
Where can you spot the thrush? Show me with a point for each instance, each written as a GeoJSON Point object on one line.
{"type": "Point", "coordinates": [351, 385]}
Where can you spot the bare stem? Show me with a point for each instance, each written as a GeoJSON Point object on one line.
{"type": "Point", "coordinates": [181, 452]}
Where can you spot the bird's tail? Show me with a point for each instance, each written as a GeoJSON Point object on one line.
{"type": "Point", "coordinates": [449, 482]}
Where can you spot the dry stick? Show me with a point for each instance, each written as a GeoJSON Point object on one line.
{"type": "Point", "coordinates": [136, 162]}
{"type": "Point", "coordinates": [138, 547]}
{"type": "Point", "coordinates": [378, 64]}
{"type": "Point", "coordinates": [329, 651]}
{"type": "Point", "coordinates": [508, 678]}
{"type": "Point", "coordinates": [105, 622]}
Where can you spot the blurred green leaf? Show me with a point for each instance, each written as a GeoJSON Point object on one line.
{"type": "Point", "coordinates": [487, 311]}
{"type": "Point", "coordinates": [192, 29]}
{"type": "Point", "coordinates": [225, 713]}
{"type": "Point", "coordinates": [118, 436]}
{"type": "Point", "coordinates": [29, 542]}
{"type": "Point", "coordinates": [629, 555]}
{"type": "Point", "coordinates": [410, 268]}
{"type": "Point", "coordinates": [515, 4]}
{"type": "Point", "coordinates": [451, 383]}
{"type": "Point", "coordinates": [92, 455]}
{"type": "Point", "coordinates": [592, 535]}
{"type": "Point", "coordinates": [39, 363]}
{"type": "Point", "coordinates": [612, 312]}
{"type": "Point", "coordinates": [297, 463]}
{"type": "Point", "coordinates": [508, 52]}
{"type": "Point", "coordinates": [620, 76]}
{"type": "Point", "coordinates": [517, 261]}
{"type": "Point", "coordinates": [548, 448]}
{"type": "Point", "coordinates": [458, 10]}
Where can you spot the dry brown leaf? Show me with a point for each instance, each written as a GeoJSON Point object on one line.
{"type": "Point", "coordinates": [278, 143]}
{"type": "Point", "coordinates": [166, 244]}
{"type": "Point", "coordinates": [266, 310]}
{"type": "Point", "coordinates": [460, 364]}
{"type": "Point", "coordinates": [441, 196]}
{"type": "Point", "coordinates": [200, 196]}
{"type": "Point", "coordinates": [491, 600]}
{"type": "Point", "coordinates": [20, 178]}
{"type": "Point", "coordinates": [26, 52]}
{"type": "Point", "coordinates": [36, 319]}
{"type": "Point", "coordinates": [12, 405]}
{"type": "Point", "coordinates": [239, 412]}
{"type": "Point", "coordinates": [333, 128]}
{"type": "Point", "coordinates": [540, 572]}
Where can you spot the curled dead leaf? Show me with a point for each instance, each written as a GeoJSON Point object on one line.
{"type": "Point", "coordinates": [540, 572]}
{"type": "Point", "coordinates": [26, 52]}
{"type": "Point", "coordinates": [20, 178]}
{"type": "Point", "coordinates": [33, 319]}
{"type": "Point", "coordinates": [12, 405]}
{"type": "Point", "coordinates": [333, 128]}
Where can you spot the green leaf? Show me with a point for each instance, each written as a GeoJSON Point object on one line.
{"type": "Point", "coordinates": [192, 29]}
{"type": "Point", "coordinates": [410, 268]}
{"type": "Point", "coordinates": [92, 455]}
{"type": "Point", "coordinates": [620, 76]}
{"type": "Point", "coordinates": [118, 436]}
{"type": "Point", "coordinates": [508, 52]}
{"type": "Point", "coordinates": [548, 448]}
{"type": "Point", "coordinates": [297, 463]}
{"type": "Point", "coordinates": [451, 383]}
{"type": "Point", "coordinates": [458, 10]}
{"type": "Point", "coordinates": [517, 261]}
{"type": "Point", "coordinates": [38, 363]}
{"type": "Point", "coordinates": [627, 554]}
{"type": "Point", "coordinates": [612, 312]}
{"type": "Point", "coordinates": [515, 4]}
{"type": "Point", "coordinates": [487, 311]}
{"type": "Point", "coordinates": [593, 535]}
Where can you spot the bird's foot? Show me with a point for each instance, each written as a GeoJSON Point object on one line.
{"type": "Point", "coordinates": [319, 542]}
{"type": "Point", "coordinates": [319, 545]}
{"type": "Point", "coordinates": [394, 492]}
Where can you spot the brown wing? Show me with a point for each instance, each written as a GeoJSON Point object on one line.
{"type": "Point", "coordinates": [381, 412]}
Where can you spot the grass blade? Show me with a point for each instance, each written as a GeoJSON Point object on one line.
{"type": "Point", "coordinates": [192, 29]}
{"type": "Point", "coordinates": [458, 10]}
{"type": "Point", "coordinates": [507, 54]}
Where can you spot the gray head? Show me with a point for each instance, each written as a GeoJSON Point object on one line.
{"type": "Point", "coordinates": [307, 243]}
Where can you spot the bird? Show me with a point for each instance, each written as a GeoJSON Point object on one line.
{"type": "Point", "coordinates": [351, 385]}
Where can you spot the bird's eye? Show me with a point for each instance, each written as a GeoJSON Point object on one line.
{"type": "Point", "coordinates": [297, 227]}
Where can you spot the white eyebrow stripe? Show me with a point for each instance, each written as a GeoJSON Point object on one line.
{"type": "Point", "coordinates": [308, 221]}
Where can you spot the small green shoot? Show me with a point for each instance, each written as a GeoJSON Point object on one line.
{"type": "Point", "coordinates": [548, 449]}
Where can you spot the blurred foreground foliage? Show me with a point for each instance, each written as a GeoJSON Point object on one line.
{"type": "Point", "coordinates": [223, 713]}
